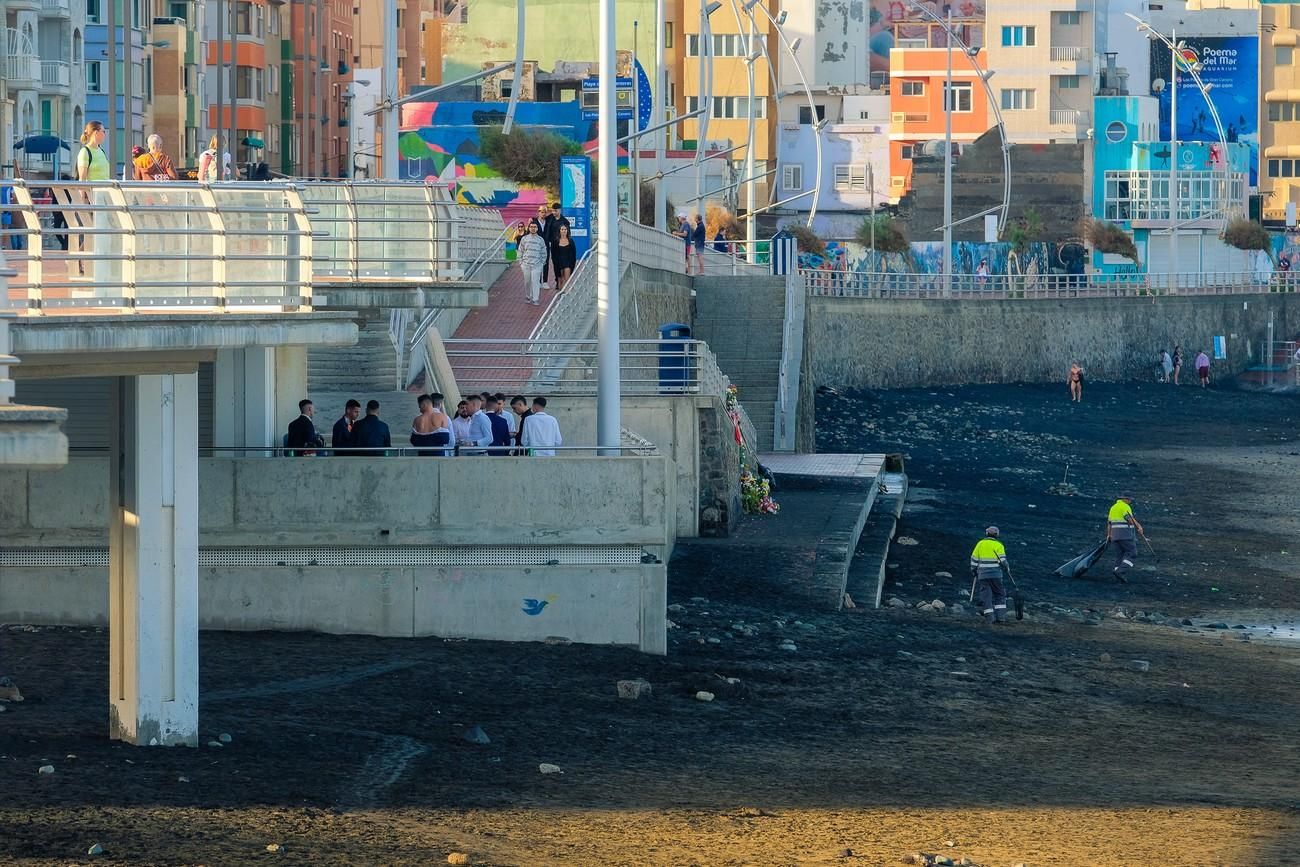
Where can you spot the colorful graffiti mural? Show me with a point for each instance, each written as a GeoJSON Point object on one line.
{"type": "Point", "coordinates": [927, 258]}
{"type": "Point", "coordinates": [888, 14]}
{"type": "Point", "coordinates": [441, 144]}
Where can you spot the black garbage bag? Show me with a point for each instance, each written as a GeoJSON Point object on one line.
{"type": "Point", "coordinates": [1081, 564]}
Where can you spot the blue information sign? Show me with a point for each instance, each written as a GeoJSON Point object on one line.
{"type": "Point", "coordinates": [575, 200]}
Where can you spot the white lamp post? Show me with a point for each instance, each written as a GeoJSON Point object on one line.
{"type": "Point", "coordinates": [608, 376]}
{"type": "Point", "coordinates": [390, 86]}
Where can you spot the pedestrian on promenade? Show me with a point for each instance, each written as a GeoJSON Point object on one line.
{"type": "Point", "coordinates": [342, 435]}
{"type": "Point", "coordinates": [302, 438]}
{"type": "Point", "coordinates": [1166, 366]}
{"type": "Point", "coordinates": [564, 256]}
{"type": "Point", "coordinates": [542, 435]}
{"type": "Point", "coordinates": [532, 260]}
{"type": "Point", "coordinates": [501, 433]}
{"type": "Point", "coordinates": [1178, 363]}
{"type": "Point", "coordinates": [551, 235]}
{"type": "Point", "coordinates": [982, 273]}
{"type": "Point", "coordinates": [683, 231]}
{"type": "Point", "coordinates": [480, 428]}
{"type": "Point", "coordinates": [460, 426]}
{"type": "Point", "coordinates": [720, 244]}
{"type": "Point", "coordinates": [214, 163]}
{"type": "Point", "coordinates": [1075, 379]}
{"type": "Point", "coordinates": [988, 568]}
{"type": "Point", "coordinates": [1203, 368]}
{"type": "Point", "coordinates": [371, 433]}
{"type": "Point", "coordinates": [92, 165]}
{"type": "Point", "coordinates": [153, 164]}
{"type": "Point", "coordinates": [519, 405]}
{"type": "Point", "coordinates": [1123, 530]}
{"type": "Point", "coordinates": [699, 240]}
{"type": "Point", "coordinates": [431, 429]}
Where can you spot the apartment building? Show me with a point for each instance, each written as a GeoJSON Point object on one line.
{"type": "Point", "coordinates": [320, 47]}
{"type": "Point", "coordinates": [1044, 54]}
{"type": "Point", "coordinates": [919, 97]}
{"type": "Point", "coordinates": [728, 123]}
{"type": "Point", "coordinates": [1279, 116]}
{"type": "Point", "coordinates": [118, 77]}
{"type": "Point", "coordinates": [246, 83]}
{"type": "Point", "coordinates": [41, 42]}
{"type": "Point", "coordinates": [179, 74]}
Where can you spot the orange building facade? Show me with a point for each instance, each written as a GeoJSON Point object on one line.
{"type": "Point", "coordinates": [917, 78]}
{"type": "Point", "coordinates": [320, 53]}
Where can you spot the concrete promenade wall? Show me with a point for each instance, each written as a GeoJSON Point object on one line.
{"type": "Point", "coordinates": [898, 343]}
{"type": "Point", "coordinates": [537, 510]}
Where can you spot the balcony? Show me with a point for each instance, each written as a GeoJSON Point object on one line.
{"type": "Point", "coordinates": [23, 6]}
{"type": "Point", "coordinates": [1069, 121]}
{"type": "Point", "coordinates": [55, 77]}
{"type": "Point", "coordinates": [23, 71]}
{"type": "Point", "coordinates": [56, 8]}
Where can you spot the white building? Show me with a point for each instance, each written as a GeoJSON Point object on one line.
{"type": "Point", "coordinates": [42, 49]}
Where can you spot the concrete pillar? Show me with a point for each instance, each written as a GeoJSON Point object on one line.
{"type": "Point", "coordinates": [290, 384]}
{"type": "Point", "coordinates": [153, 605]}
{"type": "Point", "coordinates": [244, 394]}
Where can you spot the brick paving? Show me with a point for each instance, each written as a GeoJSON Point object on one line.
{"type": "Point", "coordinates": [507, 316]}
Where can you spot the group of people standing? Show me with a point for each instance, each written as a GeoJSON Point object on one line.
{"type": "Point", "coordinates": [1170, 367]}
{"type": "Point", "coordinates": [148, 163]}
{"type": "Point", "coordinates": [547, 255]}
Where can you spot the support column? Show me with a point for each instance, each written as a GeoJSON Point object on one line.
{"type": "Point", "coordinates": [244, 397]}
{"type": "Point", "coordinates": [153, 561]}
{"type": "Point", "coordinates": [290, 385]}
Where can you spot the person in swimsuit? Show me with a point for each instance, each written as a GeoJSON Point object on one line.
{"type": "Point", "coordinates": [1178, 362]}
{"type": "Point", "coordinates": [1075, 379]}
{"type": "Point", "coordinates": [431, 429]}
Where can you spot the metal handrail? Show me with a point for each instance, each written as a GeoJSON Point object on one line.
{"type": "Point", "coordinates": [862, 284]}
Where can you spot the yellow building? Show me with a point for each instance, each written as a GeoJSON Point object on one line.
{"type": "Point", "coordinates": [1279, 120]}
{"type": "Point", "coordinates": [729, 121]}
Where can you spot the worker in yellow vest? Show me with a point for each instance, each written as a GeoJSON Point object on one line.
{"type": "Point", "coordinates": [1123, 530]}
{"type": "Point", "coordinates": [988, 568]}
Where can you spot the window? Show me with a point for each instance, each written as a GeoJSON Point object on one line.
{"type": "Point", "coordinates": [1018, 36]}
{"type": "Point", "coordinates": [959, 98]}
{"type": "Point", "coordinates": [1283, 54]}
{"type": "Point", "coordinates": [692, 45]}
{"type": "Point", "coordinates": [851, 179]}
{"type": "Point", "coordinates": [1284, 168]}
{"type": "Point", "coordinates": [733, 107]}
{"type": "Point", "coordinates": [1017, 99]}
{"type": "Point", "coordinates": [864, 115]}
{"type": "Point", "coordinates": [1116, 131]}
{"type": "Point", "coordinates": [792, 178]}
{"type": "Point", "coordinates": [1067, 82]}
{"type": "Point", "coordinates": [905, 152]}
{"type": "Point", "coordinates": [248, 83]}
{"type": "Point", "coordinates": [806, 115]}
{"type": "Point", "coordinates": [94, 76]}
{"type": "Point", "coordinates": [724, 45]}
{"type": "Point", "coordinates": [1283, 111]}
{"type": "Point", "coordinates": [913, 88]}
{"type": "Point", "coordinates": [668, 34]}
{"type": "Point", "coordinates": [93, 12]}
{"type": "Point", "coordinates": [1067, 19]}
{"type": "Point", "coordinates": [272, 79]}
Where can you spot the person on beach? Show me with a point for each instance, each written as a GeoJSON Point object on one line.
{"type": "Point", "coordinates": [1178, 363]}
{"type": "Point", "coordinates": [988, 569]}
{"type": "Point", "coordinates": [1075, 379]}
{"type": "Point", "coordinates": [1203, 368]}
{"type": "Point", "coordinates": [1123, 530]}
{"type": "Point", "coordinates": [1166, 366]}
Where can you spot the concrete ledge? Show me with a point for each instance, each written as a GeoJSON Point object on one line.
{"type": "Point", "coordinates": [387, 295]}
{"type": "Point", "coordinates": [31, 438]}
{"type": "Point", "coordinates": [623, 605]}
{"type": "Point", "coordinates": [145, 332]}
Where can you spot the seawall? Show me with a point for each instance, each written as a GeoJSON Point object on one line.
{"type": "Point", "coordinates": [899, 343]}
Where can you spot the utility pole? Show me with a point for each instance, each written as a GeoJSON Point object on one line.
{"type": "Point", "coordinates": [608, 378]}
{"type": "Point", "coordinates": [111, 15]}
{"type": "Point", "coordinates": [661, 113]}
{"type": "Point", "coordinates": [232, 143]}
{"type": "Point", "coordinates": [390, 85]}
{"type": "Point", "coordinates": [751, 182]}
{"type": "Point", "coordinates": [128, 73]}
{"type": "Point", "coordinates": [636, 126]}
{"type": "Point", "coordinates": [947, 166]}
{"type": "Point", "coordinates": [1173, 160]}
{"type": "Point", "coordinates": [216, 128]}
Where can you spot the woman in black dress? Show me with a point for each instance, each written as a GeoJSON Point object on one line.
{"type": "Point", "coordinates": [564, 257]}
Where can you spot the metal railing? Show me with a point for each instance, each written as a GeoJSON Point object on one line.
{"type": "Point", "coordinates": [1067, 117]}
{"type": "Point", "coordinates": [863, 284]}
{"type": "Point", "coordinates": [650, 248]}
{"type": "Point", "coordinates": [483, 236]}
{"type": "Point", "coordinates": [159, 245]}
{"type": "Point", "coordinates": [383, 231]}
{"type": "Point", "coordinates": [569, 367]}
{"type": "Point", "coordinates": [55, 73]}
{"type": "Point", "coordinates": [1067, 53]}
{"type": "Point", "coordinates": [63, 7]}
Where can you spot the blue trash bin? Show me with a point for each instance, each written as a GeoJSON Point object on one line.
{"type": "Point", "coordinates": [675, 365]}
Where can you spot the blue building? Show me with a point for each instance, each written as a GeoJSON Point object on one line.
{"type": "Point", "coordinates": [130, 128]}
{"type": "Point", "coordinates": [1131, 174]}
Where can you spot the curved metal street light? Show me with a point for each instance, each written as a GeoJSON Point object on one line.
{"type": "Point", "coordinates": [983, 75]}
{"type": "Point", "coordinates": [706, 94]}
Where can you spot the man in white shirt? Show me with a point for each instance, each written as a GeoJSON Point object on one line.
{"type": "Point", "coordinates": [542, 433]}
{"type": "Point", "coordinates": [480, 427]}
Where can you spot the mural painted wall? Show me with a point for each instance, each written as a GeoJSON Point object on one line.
{"type": "Point", "coordinates": [885, 14]}
{"type": "Point", "coordinates": [556, 30]}
{"type": "Point", "coordinates": [1231, 69]}
{"type": "Point", "coordinates": [927, 258]}
{"type": "Point", "coordinates": [441, 144]}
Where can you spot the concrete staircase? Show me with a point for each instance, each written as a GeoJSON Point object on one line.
{"type": "Point", "coordinates": [369, 366]}
{"type": "Point", "coordinates": [741, 318]}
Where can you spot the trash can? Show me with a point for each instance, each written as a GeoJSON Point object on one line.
{"type": "Point", "coordinates": [676, 367]}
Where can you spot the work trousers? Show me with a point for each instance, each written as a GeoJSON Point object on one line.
{"type": "Point", "coordinates": [1125, 552]}
{"type": "Point", "coordinates": [992, 598]}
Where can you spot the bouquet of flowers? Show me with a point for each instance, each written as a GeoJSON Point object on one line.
{"type": "Point", "coordinates": [756, 495]}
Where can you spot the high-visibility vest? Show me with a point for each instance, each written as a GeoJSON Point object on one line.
{"type": "Point", "coordinates": [988, 558]}
{"type": "Point", "coordinates": [1120, 528]}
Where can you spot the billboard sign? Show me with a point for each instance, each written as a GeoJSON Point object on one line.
{"type": "Point", "coordinates": [1230, 68]}
{"type": "Point", "coordinates": [575, 200]}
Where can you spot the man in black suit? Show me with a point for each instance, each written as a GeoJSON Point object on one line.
{"type": "Point", "coordinates": [342, 435]}
{"type": "Point", "coordinates": [303, 439]}
{"type": "Point", "coordinates": [371, 433]}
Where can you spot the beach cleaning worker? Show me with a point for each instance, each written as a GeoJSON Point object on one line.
{"type": "Point", "coordinates": [988, 568]}
{"type": "Point", "coordinates": [1123, 530]}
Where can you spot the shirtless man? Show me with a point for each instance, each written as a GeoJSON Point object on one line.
{"type": "Point", "coordinates": [431, 429]}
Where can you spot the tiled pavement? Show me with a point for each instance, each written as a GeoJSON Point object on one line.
{"type": "Point", "coordinates": [507, 316]}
